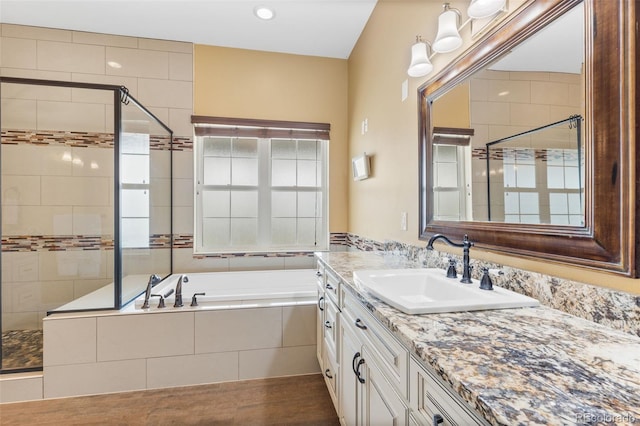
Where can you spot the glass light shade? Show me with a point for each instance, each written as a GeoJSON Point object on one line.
{"type": "Point", "coordinates": [479, 9]}
{"type": "Point", "coordinates": [420, 64]}
{"type": "Point", "coordinates": [448, 39]}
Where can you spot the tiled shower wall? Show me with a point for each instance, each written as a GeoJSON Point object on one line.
{"type": "Point", "coordinates": [74, 198]}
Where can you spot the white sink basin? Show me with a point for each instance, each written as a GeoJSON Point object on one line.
{"type": "Point", "coordinates": [427, 291]}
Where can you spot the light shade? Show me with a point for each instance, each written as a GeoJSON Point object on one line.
{"type": "Point", "coordinates": [420, 64]}
{"type": "Point", "coordinates": [264, 12]}
{"type": "Point", "coordinates": [479, 9]}
{"type": "Point", "coordinates": [448, 39]}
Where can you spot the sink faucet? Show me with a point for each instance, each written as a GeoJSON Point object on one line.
{"type": "Point", "coordinates": [153, 280]}
{"type": "Point", "coordinates": [466, 245]}
{"type": "Point", "coordinates": [178, 297]}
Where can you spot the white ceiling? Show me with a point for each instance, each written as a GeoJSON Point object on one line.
{"type": "Point", "coordinates": [328, 28]}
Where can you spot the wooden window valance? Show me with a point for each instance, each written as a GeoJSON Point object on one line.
{"type": "Point", "coordinates": [246, 127]}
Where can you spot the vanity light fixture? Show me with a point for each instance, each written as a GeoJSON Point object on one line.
{"type": "Point", "coordinates": [420, 63]}
{"type": "Point", "coordinates": [479, 9]}
{"type": "Point", "coordinates": [448, 38]}
{"type": "Point", "coordinates": [265, 13]}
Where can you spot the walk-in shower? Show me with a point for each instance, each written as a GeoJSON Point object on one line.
{"type": "Point", "coordinates": [86, 205]}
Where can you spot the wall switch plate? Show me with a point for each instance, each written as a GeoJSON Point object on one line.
{"type": "Point", "coordinates": [403, 221]}
{"type": "Point", "coordinates": [405, 90]}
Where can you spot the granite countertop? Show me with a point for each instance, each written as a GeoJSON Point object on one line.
{"type": "Point", "coordinates": [515, 366]}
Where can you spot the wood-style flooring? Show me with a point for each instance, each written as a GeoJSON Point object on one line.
{"type": "Point", "coordinates": [299, 400]}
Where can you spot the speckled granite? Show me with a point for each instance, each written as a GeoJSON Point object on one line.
{"type": "Point", "coordinates": [515, 366]}
{"type": "Point", "coordinates": [21, 349]}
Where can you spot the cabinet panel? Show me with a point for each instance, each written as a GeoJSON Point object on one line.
{"type": "Point", "coordinates": [332, 287]}
{"type": "Point", "coordinates": [320, 327]}
{"type": "Point", "coordinates": [381, 404]}
{"type": "Point", "coordinates": [349, 386]}
{"type": "Point", "coordinates": [330, 326]}
{"type": "Point", "coordinates": [331, 374]}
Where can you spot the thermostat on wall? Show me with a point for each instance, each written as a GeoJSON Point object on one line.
{"type": "Point", "coordinates": [360, 164]}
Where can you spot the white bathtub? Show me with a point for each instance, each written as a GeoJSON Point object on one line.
{"type": "Point", "coordinates": [238, 289]}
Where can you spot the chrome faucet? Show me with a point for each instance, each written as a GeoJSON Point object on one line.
{"type": "Point", "coordinates": [178, 297]}
{"type": "Point", "coordinates": [153, 280]}
{"type": "Point", "coordinates": [466, 245]}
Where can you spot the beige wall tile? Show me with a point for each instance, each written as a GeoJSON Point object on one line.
{"type": "Point", "coordinates": [94, 162]}
{"type": "Point", "coordinates": [72, 265]}
{"type": "Point", "coordinates": [161, 114]}
{"type": "Point", "coordinates": [43, 160]}
{"type": "Point", "coordinates": [183, 165]}
{"type": "Point", "coordinates": [39, 296]}
{"type": "Point", "coordinates": [529, 115]}
{"type": "Point", "coordinates": [92, 221]}
{"type": "Point", "coordinates": [180, 122]}
{"type": "Point", "coordinates": [160, 221]}
{"type": "Point", "coordinates": [104, 39]}
{"type": "Point", "coordinates": [159, 164]}
{"type": "Point", "coordinates": [35, 33]}
{"type": "Point", "coordinates": [528, 75]}
{"type": "Point", "coordinates": [549, 93]}
{"type": "Point", "coordinates": [488, 74]}
{"type": "Point", "coordinates": [75, 191]}
{"type": "Point", "coordinates": [182, 192]}
{"type": "Point", "coordinates": [82, 287]}
{"type": "Point", "coordinates": [165, 93]}
{"type": "Point", "coordinates": [69, 341]}
{"type": "Point", "coordinates": [299, 262]}
{"type": "Point", "coordinates": [255, 263]}
{"type": "Point", "coordinates": [14, 389]}
{"type": "Point", "coordinates": [575, 95]}
{"type": "Point", "coordinates": [81, 58]}
{"type": "Point", "coordinates": [71, 116]}
{"type": "Point", "coordinates": [21, 321]}
{"type": "Point", "coordinates": [192, 370]}
{"type": "Point", "coordinates": [479, 89]}
{"type": "Point", "coordinates": [160, 192]}
{"type": "Point", "coordinates": [138, 62]}
{"type": "Point", "coordinates": [95, 96]}
{"type": "Point", "coordinates": [145, 261]}
{"type": "Point", "coordinates": [95, 378]}
{"type": "Point", "coordinates": [278, 362]}
{"type": "Point", "coordinates": [183, 261]}
{"type": "Point", "coordinates": [130, 83]}
{"type": "Point", "coordinates": [18, 53]}
{"type": "Point", "coordinates": [20, 190]}
{"type": "Point", "coordinates": [181, 66]}
{"type": "Point", "coordinates": [499, 132]}
{"type": "Point", "coordinates": [144, 336]}
{"type": "Point", "coordinates": [20, 267]}
{"type": "Point", "coordinates": [43, 75]}
{"type": "Point", "coordinates": [36, 220]}
{"type": "Point", "coordinates": [490, 112]}
{"type": "Point", "coordinates": [24, 91]}
{"type": "Point", "coordinates": [169, 46]}
{"type": "Point", "coordinates": [238, 330]}
{"type": "Point", "coordinates": [183, 220]}
{"type": "Point", "coordinates": [299, 325]}
{"type": "Point", "coordinates": [18, 114]}
{"type": "Point", "coordinates": [557, 113]}
{"type": "Point", "coordinates": [480, 136]}
{"type": "Point", "coordinates": [568, 78]}
{"type": "Point", "coordinates": [509, 91]}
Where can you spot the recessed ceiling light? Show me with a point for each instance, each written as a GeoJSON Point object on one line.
{"type": "Point", "coordinates": [264, 12]}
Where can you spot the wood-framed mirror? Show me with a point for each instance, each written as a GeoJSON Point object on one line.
{"type": "Point", "coordinates": [601, 234]}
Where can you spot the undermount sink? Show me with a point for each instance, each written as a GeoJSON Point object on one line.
{"type": "Point", "coordinates": [428, 291]}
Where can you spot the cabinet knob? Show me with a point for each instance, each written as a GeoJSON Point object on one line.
{"type": "Point", "coordinates": [327, 324]}
{"type": "Point", "coordinates": [437, 419]}
{"type": "Point", "coordinates": [329, 286]}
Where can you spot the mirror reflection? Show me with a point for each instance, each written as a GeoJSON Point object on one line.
{"type": "Point", "coordinates": [508, 143]}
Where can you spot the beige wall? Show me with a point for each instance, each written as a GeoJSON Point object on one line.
{"type": "Point", "coordinates": [377, 68]}
{"type": "Point", "coordinates": [274, 86]}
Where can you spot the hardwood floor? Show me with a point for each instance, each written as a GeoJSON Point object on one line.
{"type": "Point", "coordinates": [300, 400]}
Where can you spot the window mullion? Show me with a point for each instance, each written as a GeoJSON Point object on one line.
{"type": "Point", "coordinates": [264, 193]}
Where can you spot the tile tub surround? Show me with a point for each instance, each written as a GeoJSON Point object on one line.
{"type": "Point", "coordinates": [515, 366]}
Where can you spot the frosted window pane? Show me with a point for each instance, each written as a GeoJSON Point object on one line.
{"type": "Point", "coordinates": [509, 156]}
{"type": "Point", "coordinates": [217, 171]}
{"type": "Point", "coordinates": [572, 178]}
{"type": "Point", "coordinates": [526, 176]}
{"type": "Point", "coordinates": [135, 232]}
{"type": "Point", "coordinates": [244, 204]}
{"type": "Point", "coordinates": [134, 143]}
{"type": "Point", "coordinates": [448, 203]}
{"type": "Point", "coordinates": [283, 231]}
{"type": "Point", "coordinates": [215, 232]}
{"type": "Point", "coordinates": [307, 173]}
{"type": "Point", "coordinates": [575, 204]}
{"type": "Point", "coordinates": [283, 204]}
{"type": "Point", "coordinates": [216, 203]}
{"type": "Point", "coordinates": [135, 203]}
{"type": "Point", "coordinates": [529, 218]}
{"type": "Point", "coordinates": [134, 168]}
{"type": "Point", "coordinates": [559, 219]}
{"type": "Point", "coordinates": [283, 148]}
{"type": "Point", "coordinates": [245, 148]}
{"type": "Point", "coordinates": [558, 204]}
{"type": "Point", "coordinates": [283, 173]}
{"type": "Point", "coordinates": [525, 156]}
{"type": "Point", "coordinates": [576, 220]}
{"type": "Point", "coordinates": [529, 203]}
{"type": "Point", "coordinates": [555, 177]}
{"type": "Point", "coordinates": [447, 176]}
{"type": "Point", "coordinates": [219, 147]}
{"type": "Point", "coordinates": [512, 218]}
{"type": "Point", "coordinates": [571, 158]}
{"type": "Point", "coordinates": [511, 203]}
{"type": "Point", "coordinates": [244, 232]}
{"type": "Point", "coordinates": [307, 150]}
{"type": "Point", "coordinates": [555, 157]}
{"type": "Point", "coordinates": [244, 171]}
{"type": "Point", "coordinates": [306, 231]}
{"type": "Point", "coordinates": [308, 204]}
{"type": "Point", "coordinates": [509, 176]}
{"type": "Point", "coordinates": [447, 153]}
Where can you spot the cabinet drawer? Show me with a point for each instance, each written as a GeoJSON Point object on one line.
{"type": "Point", "coordinates": [330, 326]}
{"type": "Point", "coordinates": [330, 372]}
{"type": "Point", "coordinates": [430, 399]}
{"type": "Point", "coordinates": [332, 286]}
{"type": "Point", "coordinates": [393, 357]}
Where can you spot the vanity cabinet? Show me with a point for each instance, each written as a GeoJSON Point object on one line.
{"type": "Point", "coordinates": [326, 332]}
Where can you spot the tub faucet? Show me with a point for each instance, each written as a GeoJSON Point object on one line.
{"type": "Point", "coordinates": [178, 297]}
{"type": "Point", "coordinates": [466, 245]}
{"type": "Point", "coordinates": [153, 280]}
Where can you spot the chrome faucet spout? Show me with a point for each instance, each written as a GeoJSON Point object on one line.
{"type": "Point", "coordinates": [465, 245]}
{"type": "Point", "coordinates": [178, 298]}
{"type": "Point", "coordinates": [153, 280]}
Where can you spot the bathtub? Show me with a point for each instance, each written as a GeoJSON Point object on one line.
{"type": "Point", "coordinates": [237, 289]}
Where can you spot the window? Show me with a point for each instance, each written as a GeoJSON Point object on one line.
{"type": "Point", "coordinates": [521, 195]}
{"type": "Point", "coordinates": [256, 193]}
{"type": "Point", "coordinates": [134, 157]}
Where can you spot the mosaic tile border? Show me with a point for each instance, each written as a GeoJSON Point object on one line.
{"type": "Point", "coordinates": [86, 139]}
{"type": "Point", "coordinates": [613, 308]}
{"type": "Point", "coordinates": [540, 154]}
{"type": "Point", "coordinates": [39, 243]}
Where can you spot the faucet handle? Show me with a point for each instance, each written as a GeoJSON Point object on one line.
{"type": "Point", "coordinates": [194, 298]}
{"type": "Point", "coordinates": [451, 269]}
{"type": "Point", "coordinates": [485, 282]}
